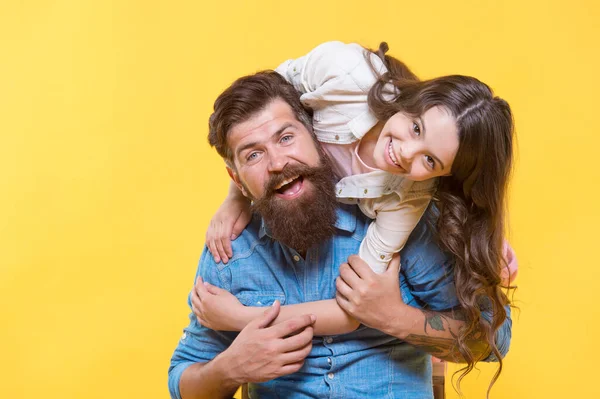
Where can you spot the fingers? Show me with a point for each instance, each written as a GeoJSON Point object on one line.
{"type": "Point", "coordinates": [394, 266]}
{"type": "Point", "coordinates": [225, 238]}
{"type": "Point", "coordinates": [202, 321]}
{"type": "Point", "coordinates": [343, 302]}
{"type": "Point", "coordinates": [196, 304]}
{"type": "Point", "coordinates": [291, 368]}
{"type": "Point", "coordinates": [342, 287]}
{"type": "Point", "coordinates": [299, 353]}
{"type": "Point", "coordinates": [218, 241]}
{"type": "Point", "coordinates": [349, 275]}
{"type": "Point", "coordinates": [240, 224]}
{"type": "Point", "coordinates": [269, 315]}
{"type": "Point", "coordinates": [297, 341]}
{"type": "Point", "coordinates": [343, 295]}
{"type": "Point", "coordinates": [226, 244]}
{"type": "Point", "coordinates": [361, 267]}
{"type": "Point", "coordinates": [221, 249]}
{"type": "Point", "coordinates": [230, 232]}
{"type": "Point", "coordinates": [210, 243]}
{"type": "Point", "coordinates": [222, 233]}
{"type": "Point", "coordinates": [293, 325]}
{"type": "Point", "coordinates": [208, 237]}
{"type": "Point", "coordinates": [213, 289]}
{"type": "Point", "coordinates": [200, 288]}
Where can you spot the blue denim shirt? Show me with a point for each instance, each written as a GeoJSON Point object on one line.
{"type": "Point", "coordinates": [364, 363]}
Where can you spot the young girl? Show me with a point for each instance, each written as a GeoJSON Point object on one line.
{"type": "Point", "coordinates": [396, 143]}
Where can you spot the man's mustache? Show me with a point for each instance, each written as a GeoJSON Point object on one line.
{"type": "Point", "coordinates": [288, 172]}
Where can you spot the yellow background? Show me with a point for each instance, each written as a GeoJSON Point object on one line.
{"type": "Point", "coordinates": [107, 182]}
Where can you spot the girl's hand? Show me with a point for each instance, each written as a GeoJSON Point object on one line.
{"type": "Point", "coordinates": [509, 272]}
{"type": "Point", "coordinates": [217, 308]}
{"type": "Point", "coordinates": [229, 221]}
{"type": "Point", "coordinates": [373, 299]}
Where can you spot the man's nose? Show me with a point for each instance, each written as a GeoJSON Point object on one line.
{"type": "Point", "coordinates": [277, 161]}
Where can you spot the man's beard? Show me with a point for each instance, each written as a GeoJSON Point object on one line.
{"type": "Point", "coordinates": [309, 219]}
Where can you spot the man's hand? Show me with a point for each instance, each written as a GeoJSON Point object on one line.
{"type": "Point", "coordinates": [373, 299]}
{"type": "Point", "coordinates": [262, 352]}
{"type": "Point", "coordinates": [218, 309]}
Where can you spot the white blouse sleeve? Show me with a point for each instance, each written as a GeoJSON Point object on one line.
{"type": "Point", "coordinates": [335, 79]}
{"type": "Point", "coordinates": [390, 230]}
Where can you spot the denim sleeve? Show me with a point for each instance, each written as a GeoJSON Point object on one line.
{"type": "Point", "coordinates": [198, 344]}
{"type": "Point", "coordinates": [427, 281]}
{"type": "Point", "coordinates": [427, 278]}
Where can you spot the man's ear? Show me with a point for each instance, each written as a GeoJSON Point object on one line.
{"type": "Point", "coordinates": [236, 180]}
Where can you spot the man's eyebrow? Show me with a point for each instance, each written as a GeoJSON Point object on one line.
{"type": "Point", "coordinates": [255, 143]}
{"type": "Point", "coordinates": [432, 155]}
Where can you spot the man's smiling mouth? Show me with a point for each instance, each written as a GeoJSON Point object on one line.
{"type": "Point", "coordinates": [290, 188]}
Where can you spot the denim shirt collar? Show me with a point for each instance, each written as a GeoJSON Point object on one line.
{"type": "Point", "coordinates": [345, 221]}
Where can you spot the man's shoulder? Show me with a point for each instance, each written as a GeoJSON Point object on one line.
{"type": "Point", "coordinates": [244, 244]}
{"type": "Point", "coordinates": [350, 219]}
{"type": "Point", "coordinates": [247, 242]}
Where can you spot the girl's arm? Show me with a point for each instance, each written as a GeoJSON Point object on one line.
{"type": "Point", "coordinates": [331, 319]}
{"type": "Point", "coordinates": [334, 81]}
{"type": "Point", "coordinates": [231, 218]}
{"type": "Point", "coordinates": [390, 230]}
{"type": "Point", "coordinates": [218, 309]}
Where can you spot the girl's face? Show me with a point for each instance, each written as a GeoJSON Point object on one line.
{"type": "Point", "coordinates": [418, 148]}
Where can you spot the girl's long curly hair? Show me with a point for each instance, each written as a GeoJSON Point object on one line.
{"type": "Point", "coordinates": [471, 200]}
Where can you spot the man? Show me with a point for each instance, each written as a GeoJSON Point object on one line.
{"type": "Point", "coordinates": [289, 254]}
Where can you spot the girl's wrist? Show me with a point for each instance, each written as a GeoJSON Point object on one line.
{"type": "Point", "coordinates": [247, 314]}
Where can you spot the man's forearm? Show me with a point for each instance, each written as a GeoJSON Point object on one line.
{"type": "Point", "coordinates": [437, 333]}
{"type": "Point", "coordinates": [207, 380]}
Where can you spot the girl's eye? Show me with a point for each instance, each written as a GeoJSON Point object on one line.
{"type": "Point", "coordinates": [416, 129]}
{"type": "Point", "coordinates": [430, 161]}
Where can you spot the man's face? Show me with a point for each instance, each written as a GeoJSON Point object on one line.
{"type": "Point", "coordinates": [268, 142]}
{"type": "Point", "coordinates": [279, 166]}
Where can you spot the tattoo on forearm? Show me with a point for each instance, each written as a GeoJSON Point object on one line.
{"type": "Point", "coordinates": [443, 348]}
{"type": "Point", "coordinates": [434, 320]}
{"type": "Point", "coordinates": [446, 348]}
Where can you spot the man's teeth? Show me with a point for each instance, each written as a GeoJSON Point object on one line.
{"type": "Point", "coordinates": [287, 181]}
{"type": "Point", "coordinates": [394, 160]}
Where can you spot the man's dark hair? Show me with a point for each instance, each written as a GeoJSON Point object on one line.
{"type": "Point", "coordinates": [245, 98]}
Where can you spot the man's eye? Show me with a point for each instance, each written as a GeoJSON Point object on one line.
{"type": "Point", "coordinates": [285, 138]}
{"type": "Point", "coordinates": [416, 129]}
{"type": "Point", "coordinates": [251, 156]}
{"type": "Point", "coordinates": [430, 161]}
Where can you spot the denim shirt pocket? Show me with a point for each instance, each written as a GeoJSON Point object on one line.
{"type": "Point", "coordinates": [260, 298]}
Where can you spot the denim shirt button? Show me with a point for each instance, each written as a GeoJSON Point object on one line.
{"type": "Point", "coordinates": [328, 340]}
{"type": "Point", "coordinates": [330, 376]}
{"type": "Point", "coordinates": [296, 258]}
{"type": "Point", "coordinates": [328, 360]}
